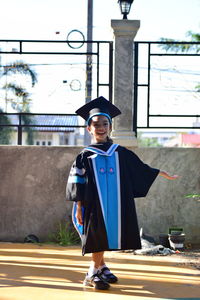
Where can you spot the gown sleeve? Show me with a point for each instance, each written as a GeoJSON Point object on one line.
{"type": "Point", "coordinates": [142, 175]}
{"type": "Point", "coordinates": [76, 181]}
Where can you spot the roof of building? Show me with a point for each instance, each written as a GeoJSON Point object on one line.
{"type": "Point", "coordinates": [50, 123]}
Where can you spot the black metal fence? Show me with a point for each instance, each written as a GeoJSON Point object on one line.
{"type": "Point", "coordinates": [166, 82]}
{"type": "Point", "coordinates": [20, 122]}
{"type": "Point", "coordinates": [101, 55]}
{"type": "Point", "coordinates": [173, 103]}
{"type": "Point", "coordinates": [68, 60]}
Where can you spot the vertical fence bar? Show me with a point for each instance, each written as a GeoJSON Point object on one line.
{"type": "Point", "coordinates": [20, 47]}
{"type": "Point", "coordinates": [135, 86]}
{"type": "Point", "coordinates": [148, 84]}
{"type": "Point", "coordinates": [111, 71]}
{"type": "Point", "coordinates": [19, 142]}
{"type": "Point", "coordinates": [98, 69]}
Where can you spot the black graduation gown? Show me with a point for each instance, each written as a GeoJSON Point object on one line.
{"type": "Point", "coordinates": [106, 178]}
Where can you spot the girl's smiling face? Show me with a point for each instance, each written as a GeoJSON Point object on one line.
{"type": "Point", "coordinates": [99, 128]}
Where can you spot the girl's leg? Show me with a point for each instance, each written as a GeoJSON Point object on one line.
{"type": "Point", "coordinates": [102, 262]}
{"type": "Point", "coordinates": [97, 259]}
{"type": "Point", "coordinates": [92, 278]}
{"type": "Point", "coordinates": [95, 263]}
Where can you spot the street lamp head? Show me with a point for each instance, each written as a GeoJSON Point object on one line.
{"type": "Point", "coordinates": [125, 6]}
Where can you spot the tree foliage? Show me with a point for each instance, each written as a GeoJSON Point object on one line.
{"type": "Point", "coordinates": [182, 46]}
{"type": "Point", "coordinates": [175, 46]}
{"type": "Point", "coordinates": [5, 132]}
{"type": "Point", "coordinates": [19, 98]}
{"type": "Point", "coordinates": [19, 67]}
{"type": "Point", "coordinates": [148, 142]}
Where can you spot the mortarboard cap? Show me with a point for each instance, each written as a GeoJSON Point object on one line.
{"type": "Point", "coordinates": [98, 106]}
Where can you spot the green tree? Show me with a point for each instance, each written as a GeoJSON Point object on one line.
{"type": "Point", "coordinates": [179, 46]}
{"type": "Point", "coordinates": [175, 46]}
{"type": "Point", "coordinates": [20, 99]}
{"type": "Point", "coordinates": [19, 67]}
{"type": "Point", "coordinates": [5, 132]}
{"type": "Point", "coordinates": [198, 87]}
{"type": "Point", "coordinates": [147, 142]}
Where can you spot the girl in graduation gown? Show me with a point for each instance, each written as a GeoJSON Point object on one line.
{"type": "Point", "coordinates": [103, 182]}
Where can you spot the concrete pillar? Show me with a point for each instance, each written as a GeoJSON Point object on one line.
{"type": "Point", "coordinates": [124, 34]}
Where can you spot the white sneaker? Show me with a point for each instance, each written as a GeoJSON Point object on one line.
{"type": "Point", "coordinates": [96, 281]}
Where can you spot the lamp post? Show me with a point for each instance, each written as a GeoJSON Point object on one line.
{"type": "Point", "coordinates": [125, 7]}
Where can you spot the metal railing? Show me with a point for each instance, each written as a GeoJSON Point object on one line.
{"type": "Point", "coordinates": [20, 124]}
{"type": "Point", "coordinates": [32, 49]}
{"type": "Point", "coordinates": [146, 84]}
{"type": "Point", "coordinates": [26, 47]}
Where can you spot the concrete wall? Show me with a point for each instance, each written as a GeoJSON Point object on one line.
{"type": "Point", "coordinates": [166, 204]}
{"type": "Point", "coordinates": [33, 181]}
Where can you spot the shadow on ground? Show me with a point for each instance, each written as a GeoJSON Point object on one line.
{"type": "Point", "coordinates": [57, 273]}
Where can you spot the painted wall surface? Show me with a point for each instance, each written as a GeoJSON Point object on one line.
{"type": "Point", "coordinates": [166, 205]}
{"type": "Point", "coordinates": [33, 181]}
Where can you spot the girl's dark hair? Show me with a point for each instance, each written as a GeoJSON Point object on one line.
{"type": "Point", "coordinates": [109, 140]}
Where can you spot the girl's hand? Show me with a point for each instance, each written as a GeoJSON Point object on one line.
{"type": "Point", "coordinates": [79, 215]}
{"type": "Point", "coordinates": [167, 176]}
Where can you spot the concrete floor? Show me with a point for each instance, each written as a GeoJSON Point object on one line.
{"type": "Point", "coordinates": [30, 272]}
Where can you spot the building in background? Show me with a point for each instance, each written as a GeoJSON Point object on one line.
{"type": "Point", "coordinates": [168, 139]}
{"type": "Point", "coordinates": [46, 134]}
{"type": "Point", "coordinates": [184, 140]}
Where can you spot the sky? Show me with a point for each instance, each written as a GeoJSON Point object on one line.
{"type": "Point", "coordinates": [41, 19]}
